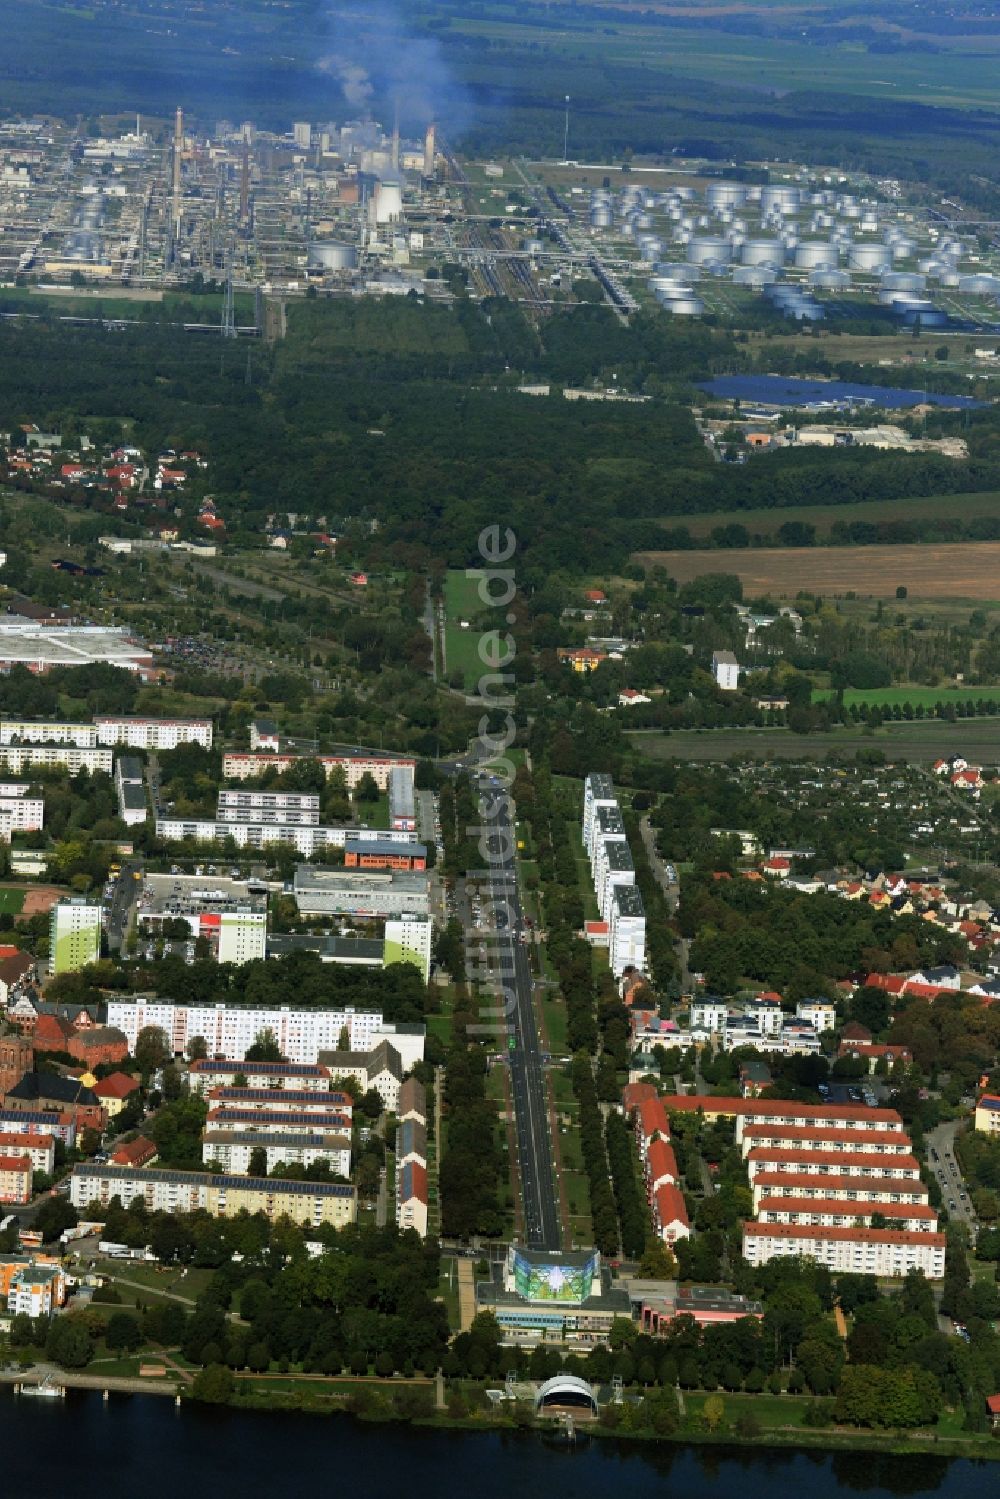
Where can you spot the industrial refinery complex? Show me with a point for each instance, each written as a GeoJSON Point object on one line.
{"type": "Point", "coordinates": [351, 208]}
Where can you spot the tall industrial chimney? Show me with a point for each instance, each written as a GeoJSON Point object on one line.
{"type": "Point", "coordinates": [178, 148]}
{"type": "Point", "coordinates": [245, 185]}
{"type": "Point", "coordinates": [395, 138]}
{"type": "Point", "coordinates": [429, 150]}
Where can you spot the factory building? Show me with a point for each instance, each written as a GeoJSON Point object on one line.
{"type": "Point", "coordinates": [41, 647]}
{"type": "Point", "coordinates": [322, 891]}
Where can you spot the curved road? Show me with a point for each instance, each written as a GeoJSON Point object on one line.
{"type": "Point", "coordinates": [534, 1145]}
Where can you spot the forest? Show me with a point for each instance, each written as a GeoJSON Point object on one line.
{"type": "Point", "coordinates": [407, 414]}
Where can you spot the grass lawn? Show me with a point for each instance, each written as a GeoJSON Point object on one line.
{"type": "Point", "coordinates": [772, 1411]}
{"type": "Point", "coordinates": [128, 1367]}
{"type": "Point", "coordinates": [462, 601]}
{"type": "Point", "coordinates": [554, 1015]}
{"type": "Point", "coordinates": [917, 697]}
{"type": "Point", "coordinates": [11, 899]}
{"type": "Point", "coordinates": [448, 1292]}
{"type": "Point", "coordinates": [177, 1282]}
{"type": "Point", "coordinates": [375, 814]}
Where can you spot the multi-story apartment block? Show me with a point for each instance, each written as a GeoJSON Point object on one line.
{"type": "Point", "coordinates": [240, 766]}
{"type": "Point", "coordinates": [288, 807]}
{"type": "Point", "coordinates": [308, 1203]}
{"type": "Point", "coordinates": [41, 731]}
{"type": "Point", "coordinates": [230, 1152]}
{"type": "Point", "coordinates": [74, 935]}
{"type": "Point", "coordinates": [153, 733]}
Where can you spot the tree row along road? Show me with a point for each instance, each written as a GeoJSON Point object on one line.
{"type": "Point", "coordinates": [534, 1144]}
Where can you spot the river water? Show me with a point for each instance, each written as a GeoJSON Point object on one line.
{"type": "Point", "coordinates": [143, 1447]}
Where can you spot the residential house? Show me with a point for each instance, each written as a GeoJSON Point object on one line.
{"type": "Point", "coordinates": [115, 1091]}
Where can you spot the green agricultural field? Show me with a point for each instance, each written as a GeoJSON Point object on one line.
{"type": "Point", "coordinates": [915, 742]}
{"type": "Point", "coordinates": [11, 900]}
{"type": "Point", "coordinates": [462, 601]}
{"type": "Point", "coordinates": [917, 697]}
{"type": "Point", "coordinates": [962, 507]}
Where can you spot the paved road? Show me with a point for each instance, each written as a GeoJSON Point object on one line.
{"type": "Point", "coordinates": [534, 1144]}
{"type": "Point", "coordinates": [946, 1169]}
{"type": "Point", "coordinates": [670, 888]}
{"type": "Point", "coordinates": [124, 895]}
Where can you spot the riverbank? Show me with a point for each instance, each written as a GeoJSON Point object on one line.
{"type": "Point", "coordinates": [394, 1402]}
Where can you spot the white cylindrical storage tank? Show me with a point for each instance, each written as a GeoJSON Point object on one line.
{"type": "Point", "coordinates": [686, 307]}
{"type": "Point", "coordinates": [725, 194]}
{"type": "Point", "coordinates": [763, 252]}
{"type": "Point", "coordinates": [677, 271]}
{"type": "Point", "coordinates": [928, 315]}
{"type": "Point", "coordinates": [870, 256]}
{"type": "Point", "coordinates": [650, 248]}
{"type": "Point", "coordinates": [755, 275]}
{"type": "Point", "coordinates": [331, 255]}
{"type": "Point", "coordinates": [704, 247]}
{"type": "Point", "coordinates": [980, 284]}
{"type": "Point", "coordinates": [903, 281]}
{"type": "Point", "coordinates": [815, 254]}
{"type": "Point", "coordinates": [534, 246]}
{"type": "Point", "coordinates": [780, 198]}
{"type": "Point", "coordinates": [830, 280]}
{"type": "Point", "coordinates": [949, 277]}
{"type": "Point", "coordinates": [600, 216]}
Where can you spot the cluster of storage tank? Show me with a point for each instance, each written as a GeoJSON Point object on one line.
{"type": "Point", "coordinates": [754, 233]}
{"type": "Point", "coordinates": [795, 302]}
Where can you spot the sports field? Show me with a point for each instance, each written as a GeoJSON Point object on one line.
{"type": "Point", "coordinates": [12, 899]}
{"type": "Point", "coordinates": [954, 570]}
{"type": "Point", "coordinates": [462, 601]}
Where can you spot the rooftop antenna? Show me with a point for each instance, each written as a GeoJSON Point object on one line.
{"type": "Point", "coordinates": [566, 134]}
